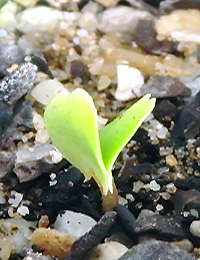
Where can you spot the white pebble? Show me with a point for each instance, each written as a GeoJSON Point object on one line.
{"type": "Point", "coordinates": [40, 19]}
{"type": "Point", "coordinates": [41, 136]}
{"type": "Point", "coordinates": [195, 228]}
{"type": "Point", "coordinates": [73, 223]}
{"type": "Point", "coordinates": [162, 133]}
{"type": "Point", "coordinates": [88, 21]}
{"type": "Point", "coordinates": [103, 82]}
{"type": "Point", "coordinates": [130, 80]}
{"type": "Point", "coordinates": [108, 251]}
{"type": "Point", "coordinates": [120, 19]}
{"type": "Point", "coordinates": [16, 198]}
{"type": "Point", "coordinates": [171, 188]}
{"type": "Point", "coordinates": [38, 121]}
{"type": "Point", "coordinates": [159, 207]}
{"type": "Point", "coordinates": [154, 186]}
{"type": "Point", "coordinates": [23, 210]}
{"type": "Point", "coordinates": [56, 156]}
{"type": "Point", "coordinates": [46, 90]}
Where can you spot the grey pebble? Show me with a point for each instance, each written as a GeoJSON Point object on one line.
{"type": "Point", "coordinates": [156, 250]}
{"type": "Point", "coordinates": [18, 83]}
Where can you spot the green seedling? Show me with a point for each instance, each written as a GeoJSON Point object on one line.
{"type": "Point", "coordinates": [72, 123]}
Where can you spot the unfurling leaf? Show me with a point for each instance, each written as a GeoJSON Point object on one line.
{"type": "Point", "coordinates": [72, 123]}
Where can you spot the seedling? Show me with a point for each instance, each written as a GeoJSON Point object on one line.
{"type": "Point", "coordinates": [72, 123]}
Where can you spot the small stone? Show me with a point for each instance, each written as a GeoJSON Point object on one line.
{"type": "Point", "coordinates": [162, 133]}
{"type": "Point", "coordinates": [110, 250]}
{"type": "Point", "coordinates": [154, 186]}
{"type": "Point", "coordinates": [7, 161]}
{"type": "Point", "coordinates": [103, 82]}
{"type": "Point", "coordinates": [108, 3]}
{"type": "Point", "coordinates": [154, 249]}
{"type": "Point", "coordinates": [27, 3]}
{"type": "Point", "coordinates": [16, 198]}
{"type": "Point", "coordinates": [46, 90]}
{"type": "Point", "coordinates": [73, 223]}
{"type": "Point", "coordinates": [195, 228]}
{"type": "Point", "coordinates": [87, 242]}
{"type": "Point", "coordinates": [171, 188]}
{"type": "Point", "coordinates": [52, 241]}
{"type": "Point", "coordinates": [79, 69]}
{"type": "Point", "coordinates": [88, 21]}
{"type": "Point", "coordinates": [166, 227]}
{"type": "Point", "coordinates": [159, 207]}
{"type": "Point", "coordinates": [120, 19]}
{"type": "Point", "coordinates": [179, 25]}
{"type": "Point", "coordinates": [165, 150]}
{"type": "Point", "coordinates": [17, 84]}
{"type": "Point", "coordinates": [23, 210]}
{"type": "Point", "coordinates": [126, 218]}
{"type": "Point", "coordinates": [164, 86]}
{"type": "Point", "coordinates": [171, 160]}
{"type": "Point", "coordinates": [37, 256]}
{"type": "Point", "coordinates": [39, 19]}
{"type": "Point", "coordinates": [185, 244]}
{"type": "Point", "coordinates": [130, 80]}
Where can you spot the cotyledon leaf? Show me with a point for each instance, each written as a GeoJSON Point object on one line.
{"type": "Point", "coordinates": [115, 135]}
{"type": "Point", "coordinates": [71, 121]}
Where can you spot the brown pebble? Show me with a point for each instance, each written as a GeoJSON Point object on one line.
{"type": "Point", "coordinates": [52, 241]}
{"type": "Point", "coordinates": [43, 221]}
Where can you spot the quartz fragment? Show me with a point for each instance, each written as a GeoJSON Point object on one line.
{"type": "Point", "coordinates": [130, 80]}
{"type": "Point", "coordinates": [121, 19]}
{"type": "Point", "coordinates": [46, 17]}
{"type": "Point", "coordinates": [110, 250]}
{"type": "Point", "coordinates": [76, 224]}
{"type": "Point", "coordinates": [180, 25]}
{"type": "Point", "coordinates": [83, 245]}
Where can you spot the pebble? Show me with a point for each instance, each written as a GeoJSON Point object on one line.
{"type": "Point", "coordinates": [108, 251]}
{"type": "Point", "coordinates": [17, 84]}
{"type": "Point", "coordinates": [185, 244]}
{"type": "Point", "coordinates": [53, 242]}
{"type": "Point", "coordinates": [7, 161]}
{"type": "Point", "coordinates": [166, 227]}
{"type": "Point", "coordinates": [27, 3]}
{"type": "Point", "coordinates": [37, 256]}
{"type": "Point", "coordinates": [73, 223]}
{"type": "Point", "coordinates": [46, 17]}
{"type": "Point", "coordinates": [154, 185]}
{"type": "Point", "coordinates": [171, 188]}
{"type": "Point", "coordinates": [28, 161]}
{"type": "Point", "coordinates": [154, 249]}
{"type": "Point", "coordinates": [17, 233]}
{"type": "Point", "coordinates": [164, 86]}
{"type": "Point", "coordinates": [179, 25]}
{"type": "Point", "coordinates": [165, 150]}
{"type": "Point", "coordinates": [103, 82]}
{"type": "Point", "coordinates": [8, 19]}
{"type": "Point", "coordinates": [195, 228]}
{"type": "Point", "coordinates": [187, 124]}
{"type": "Point", "coordinates": [120, 19]}
{"type": "Point", "coordinates": [126, 218]}
{"type": "Point", "coordinates": [87, 242]}
{"type": "Point", "coordinates": [162, 133]}
{"type": "Point", "coordinates": [46, 90]}
{"type": "Point", "coordinates": [171, 160]}
{"type": "Point", "coordinates": [130, 80]}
